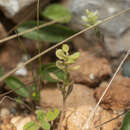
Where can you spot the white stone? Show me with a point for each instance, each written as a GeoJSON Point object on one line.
{"type": "Point", "coordinates": [111, 10]}
{"type": "Point", "coordinates": [91, 76]}
{"type": "Point", "coordinates": [14, 6]}
{"type": "Point", "coordinates": [20, 121]}
{"type": "Point", "coordinates": [22, 71]}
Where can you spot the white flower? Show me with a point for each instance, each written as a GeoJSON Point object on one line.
{"type": "Point", "coordinates": [91, 18]}
{"type": "Point", "coordinates": [83, 18]}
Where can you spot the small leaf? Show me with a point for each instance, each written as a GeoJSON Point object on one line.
{"type": "Point", "coordinates": [70, 88]}
{"type": "Point", "coordinates": [65, 48]}
{"type": "Point", "coordinates": [57, 12]}
{"type": "Point", "coordinates": [91, 18]}
{"type": "Point", "coordinates": [53, 33]}
{"type": "Point", "coordinates": [40, 115]}
{"type": "Point", "coordinates": [70, 61]}
{"type": "Point", "coordinates": [31, 126]}
{"type": "Point", "coordinates": [18, 86]}
{"type": "Point", "coordinates": [45, 125]}
{"type": "Point", "coordinates": [56, 112]}
{"type": "Point", "coordinates": [88, 12]}
{"type": "Point", "coordinates": [60, 65]}
{"type": "Point", "coordinates": [51, 116]}
{"type": "Point", "coordinates": [126, 122]}
{"type": "Point", "coordinates": [60, 54]}
{"type": "Point", "coordinates": [46, 69]}
{"type": "Point", "coordinates": [75, 56]}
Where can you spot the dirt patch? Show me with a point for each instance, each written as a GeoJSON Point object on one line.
{"type": "Point", "coordinates": [118, 95]}
{"type": "Point", "coordinates": [92, 69]}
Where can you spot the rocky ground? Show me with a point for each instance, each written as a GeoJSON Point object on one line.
{"type": "Point", "coordinates": [90, 81]}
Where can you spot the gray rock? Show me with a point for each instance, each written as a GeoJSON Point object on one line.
{"type": "Point", "coordinates": [115, 31]}
{"type": "Point", "coordinates": [17, 10]}
{"type": "Point", "coordinates": [13, 6]}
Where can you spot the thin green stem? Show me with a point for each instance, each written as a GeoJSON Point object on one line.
{"type": "Point", "coordinates": [26, 52]}
{"type": "Point", "coordinates": [38, 42]}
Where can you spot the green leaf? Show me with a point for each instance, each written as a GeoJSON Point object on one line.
{"type": "Point", "coordinates": [52, 115]}
{"type": "Point", "coordinates": [60, 64]}
{"type": "Point", "coordinates": [18, 86]}
{"type": "Point", "coordinates": [46, 69]}
{"type": "Point", "coordinates": [65, 48]}
{"type": "Point", "coordinates": [57, 12]}
{"type": "Point", "coordinates": [75, 56]}
{"type": "Point", "coordinates": [56, 112]}
{"type": "Point", "coordinates": [60, 54]}
{"type": "Point", "coordinates": [53, 33]}
{"type": "Point", "coordinates": [45, 125]}
{"type": "Point", "coordinates": [40, 115]}
{"type": "Point", "coordinates": [70, 61]}
{"type": "Point", "coordinates": [126, 122]}
{"type": "Point", "coordinates": [31, 126]}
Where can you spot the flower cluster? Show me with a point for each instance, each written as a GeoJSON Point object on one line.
{"type": "Point", "coordinates": [65, 59]}
{"type": "Point", "coordinates": [91, 18]}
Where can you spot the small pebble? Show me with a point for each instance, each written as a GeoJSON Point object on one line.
{"type": "Point", "coordinates": [13, 111]}
{"type": "Point", "coordinates": [20, 121]}
{"type": "Point", "coordinates": [22, 71]}
{"type": "Point", "coordinates": [91, 76]}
